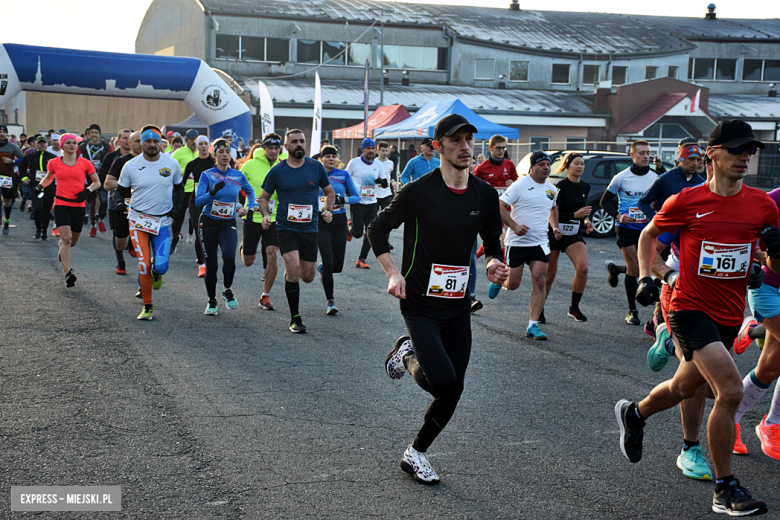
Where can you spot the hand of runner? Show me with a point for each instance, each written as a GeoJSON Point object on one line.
{"type": "Point", "coordinates": [557, 233]}
{"type": "Point", "coordinates": [218, 186]}
{"type": "Point", "coordinates": [340, 200]}
{"type": "Point", "coordinates": [241, 212]}
{"type": "Point", "coordinates": [583, 212]}
{"type": "Point", "coordinates": [26, 182]}
{"type": "Point", "coordinates": [266, 222]}
{"type": "Point", "coordinates": [82, 195]}
{"type": "Point", "coordinates": [621, 218]}
{"type": "Point", "coordinates": [498, 273]}
{"type": "Point", "coordinates": [508, 183]}
{"type": "Point", "coordinates": [327, 216]}
{"type": "Point", "coordinates": [771, 237]}
{"type": "Point", "coordinates": [38, 189]}
{"type": "Point", "coordinates": [7, 160]}
{"type": "Point", "coordinates": [648, 292]}
{"type": "Point", "coordinates": [174, 213]}
{"type": "Point", "coordinates": [396, 286]}
{"type": "Point", "coordinates": [588, 226]}
{"type": "Point", "coordinates": [520, 229]}
{"type": "Point", "coordinates": [671, 279]}
{"type": "Point", "coordinates": [381, 182]}
{"type": "Point", "coordinates": [756, 276]}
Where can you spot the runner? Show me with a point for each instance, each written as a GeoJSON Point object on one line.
{"type": "Point", "coordinates": [532, 203]}
{"type": "Point", "coordinates": [54, 147]}
{"type": "Point", "coordinates": [154, 186]}
{"type": "Point", "coordinates": [217, 196]}
{"type": "Point", "coordinates": [442, 214]}
{"type": "Point", "coordinates": [368, 175]}
{"type": "Point", "coordinates": [574, 223]}
{"type": "Point", "coordinates": [192, 172]}
{"type": "Point", "coordinates": [719, 223]}
{"type": "Point", "coordinates": [476, 305]}
{"type": "Point", "coordinates": [184, 155]}
{"type": "Point", "coordinates": [9, 181]}
{"type": "Point", "coordinates": [384, 195]}
{"type": "Point", "coordinates": [117, 219]}
{"type": "Point", "coordinates": [497, 171]}
{"type": "Point", "coordinates": [421, 164]}
{"type": "Point", "coordinates": [628, 186]}
{"type": "Point", "coordinates": [32, 170]}
{"type": "Point", "coordinates": [95, 149]}
{"type": "Point", "coordinates": [70, 173]}
{"type": "Point", "coordinates": [296, 182]}
{"type": "Point", "coordinates": [332, 236]}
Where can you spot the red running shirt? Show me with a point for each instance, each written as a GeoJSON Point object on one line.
{"type": "Point", "coordinates": [494, 175]}
{"type": "Point", "coordinates": [70, 179]}
{"type": "Point", "coordinates": [717, 238]}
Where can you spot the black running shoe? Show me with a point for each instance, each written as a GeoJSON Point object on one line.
{"type": "Point", "coordinates": [139, 295]}
{"type": "Point", "coordinates": [631, 431]}
{"type": "Point", "coordinates": [37, 234]}
{"type": "Point", "coordinates": [632, 318]}
{"type": "Point", "coordinates": [70, 279]}
{"type": "Point", "coordinates": [576, 314]}
{"type": "Point", "coordinates": [476, 305]}
{"type": "Point", "coordinates": [542, 319]}
{"type": "Point", "coordinates": [612, 277]}
{"type": "Point", "coordinates": [297, 326]}
{"type": "Point", "coordinates": [736, 501]}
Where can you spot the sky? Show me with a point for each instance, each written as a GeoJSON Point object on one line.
{"type": "Point", "coordinates": [82, 24]}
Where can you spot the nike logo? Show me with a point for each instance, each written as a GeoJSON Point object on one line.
{"type": "Point", "coordinates": [704, 214]}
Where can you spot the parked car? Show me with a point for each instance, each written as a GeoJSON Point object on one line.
{"type": "Point", "coordinates": [600, 167]}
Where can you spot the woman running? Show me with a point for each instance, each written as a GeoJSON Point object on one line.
{"type": "Point", "coordinates": [574, 222]}
{"type": "Point", "coordinates": [194, 168]}
{"type": "Point", "coordinates": [71, 172]}
{"type": "Point", "coordinates": [216, 194]}
{"type": "Point", "coordinates": [333, 237]}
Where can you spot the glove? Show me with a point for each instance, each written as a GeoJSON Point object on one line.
{"type": "Point", "coordinates": [218, 186]}
{"type": "Point", "coordinates": [671, 278]}
{"type": "Point", "coordinates": [175, 213]}
{"type": "Point", "coordinates": [38, 189]}
{"type": "Point", "coordinates": [250, 215]}
{"type": "Point", "coordinates": [648, 292]}
{"type": "Point", "coordinates": [82, 195]}
{"type": "Point", "coordinates": [771, 237]}
{"type": "Point", "coordinates": [91, 196]}
{"type": "Point", "coordinates": [756, 276]}
{"type": "Point", "coordinates": [381, 182]}
{"type": "Point", "coordinates": [120, 207]}
{"type": "Point", "coordinates": [340, 200]}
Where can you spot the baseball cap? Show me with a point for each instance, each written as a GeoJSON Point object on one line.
{"type": "Point", "coordinates": [55, 137]}
{"type": "Point", "coordinates": [687, 140]}
{"type": "Point", "coordinates": [191, 134]}
{"type": "Point", "coordinates": [428, 141]}
{"type": "Point", "coordinates": [690, 150]}
{"type": "Point", "coordinates": [41, 139]}
{"type": "Point", "coordinates": [733, 133]}
{"type": "Point", "coordinates": [170, 134]}
{"type": "Point", "coordinates": [539, 156]}
{"type": "Point", "coordinates": [450, 124]}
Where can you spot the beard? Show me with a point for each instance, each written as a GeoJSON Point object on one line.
{"type": "Point", "coordinates": [457, 165]}
{"type": "Point", "coordinates": [298, 153]}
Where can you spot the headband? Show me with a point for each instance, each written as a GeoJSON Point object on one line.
{"type": "Point", "coordinates": [150, 133]}
{"type": "Point", "coordinates": [570, 159]}
{"type": "Point", "coordinates": [328, 150]}
{"type": "Point", "coordinates": [221, 144]}
{"type": "Point", "coordinates": [65, 137]}
{"type": "Point", "coordinates": [202, 139]}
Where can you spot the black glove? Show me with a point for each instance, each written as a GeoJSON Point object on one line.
{"type": "Point", "coordinates": [250, 215]}
{"type": "Point", "coordinates": [218, 186]}
{"type": "Point", "coordinates": [671, 278]}
{"type": "Point", "coordinates": [120, 207]}
{"type": "Point", "coordinates": [381, 182]}
{"type": "Point", "coordinates": [340, 200]}
{"type": "Point", "coordinates": [756, 276]}
{"type": "Point", "coordinates": [82, 195]}
{"type": "Point", "coordinates": [175, 213]}
{"type": "Point", "coordinates": [771, 237]}
{"type": "Point", "coordinates": [38, 189]}
{"type": "Point", "coordinates": [91, 196]}
{"type": "Point", "coordinates": [648, 292]}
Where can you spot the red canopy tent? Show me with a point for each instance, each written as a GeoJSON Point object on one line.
{"type": "Point", "coordinates": [382, 116]}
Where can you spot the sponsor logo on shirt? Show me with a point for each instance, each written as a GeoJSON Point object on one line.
{"type": "Point", "coordinates": [165, 172]}
{"type": "Point", "coordinates": [550, 194]}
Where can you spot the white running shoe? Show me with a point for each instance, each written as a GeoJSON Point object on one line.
{"type": "Point", "coordinates": [394, 362]}
{"type": "Point", "coordinates": [416, 464]}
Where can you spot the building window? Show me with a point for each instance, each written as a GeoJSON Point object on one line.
{"type": "Point", "coordinates": [359, 53]}
{"type": "Point", "coordinates": [619, 75]}
{"type": "Point", "coordinates": [412, 57]}
{"type": "Point", "coordinates": [651, 72]}
{"type": "Point", "coordinates": [252, 48]}
{"type": "Point", "coordinates": [540, 143]}
{"type": "Point", "coordinates": [228, 46]}
{"type": "Point", "coordinates": [575, 143]}
{"type": "Point", "coordinates": [484, 68]}
{"type": "Point", "coordinates": [431, 58]}
{"type": "Point", "coordinates": [560, 73]}
{"type": "Point", "coordinates": [772, 70]}
{"type": "Point", "coordinates": [590, 74]}
{"type": "Point", "coordinates": [308, 51]}
{"type": "Point", "coordinates": [752, 70]}
{"type": "Point", "coordinates": [518, 71]}
{"type": "Point", "coordinates": [670, 131]}
{"type": "Point", "coordinates": [673, 71]}
{"type": "Point", "coordinates": [701, 68]}
{"type": "Point", "coordinates": [726, 70]}
{"type": "Point", "coordinates": [392, 57]}
{"type": "Point", "coordinates": [333, 53]}
{"type": "Point", "coordinates": [442, 55]}
{"type": "Point", "coordinates": [277, 49]}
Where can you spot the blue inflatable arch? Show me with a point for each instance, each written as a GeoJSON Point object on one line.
{"type": "Point", "coordinates": [68, 71]}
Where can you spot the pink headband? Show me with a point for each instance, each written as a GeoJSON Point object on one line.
{"type": "Point", "coordinates": [65, 137]}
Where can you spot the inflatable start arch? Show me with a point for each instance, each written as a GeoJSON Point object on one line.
{"type": "Point", "coordinates": [68, 71]}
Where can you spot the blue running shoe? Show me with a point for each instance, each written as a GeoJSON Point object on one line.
{"type": "Point", "coordinates": [319, 269]}
{"type": "Point", "coordinates": [493, 290]}
{"type": "Point", "coordinates": [331, 310]}
{"type": "Point", "coordinates": [658, 356]}
{"type": "Point", "coordinates": [693, 464]}
{"type": "Point", "coordinates": [535, 332]}
{"type": "Point", "coordinates": [230, 299]}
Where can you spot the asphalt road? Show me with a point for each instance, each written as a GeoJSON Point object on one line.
{"type": "Point", "coordinates": [234, 417]}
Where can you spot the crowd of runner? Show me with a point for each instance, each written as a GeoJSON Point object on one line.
{"type": "Point", "coordinates": [695, 242]}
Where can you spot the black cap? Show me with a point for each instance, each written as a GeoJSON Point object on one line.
{"type": "Point", "coordinates": [539, 156]}
{"type": "Point", "coordinates": [687, 140]}
{"type": "Point", "coordinates": [450, 124]}
{"type": "Point", "coordinates": [428, 141]}
{"type": "Point", "coordinates": [4, 128]}
{"type": "Point", "coordinates": [733, 133]}
{"type": "Point", "coordinates": [94, 126]}
{"type": "Point", "coordinates": [41, 138]}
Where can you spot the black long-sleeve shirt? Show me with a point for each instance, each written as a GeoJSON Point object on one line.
{"type": "Point", "coordinates": [440, 227]}
{"type": "Point", "coordinates": [32, 163]}
{"type": "Point", "coordinates": [572, 197]}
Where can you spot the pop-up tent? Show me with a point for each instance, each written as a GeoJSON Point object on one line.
{"type": "Point", "coordinates": [382, 116]}
{"type": "Point", "coordinates": [424, 121]}
{"type": "Point", "coordinates": [191, 122]}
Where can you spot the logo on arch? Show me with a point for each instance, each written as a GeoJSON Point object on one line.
{"type": "Point", "coordinates": [214, 97]}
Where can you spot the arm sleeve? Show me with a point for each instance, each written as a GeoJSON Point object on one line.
{"type": "Point", "coordinates": [251, 203]}
{"type": "Point", "coordinates": [651, 195]}
{"type": "Point", "coordinates": [23, 165]}
{"type": "Point", "coordinates": [115, 170]}
{"type": "Point", "coordinates": [202, 195]}
{"type": "Point", "coordinates": [406, 176]}
{"type": "Point", "coordinates": [351, 189]}
{"type": "Point", "coordinates": [491, 230]}
{"type": "Point", "coordinates": [401, 209]}
{"type": "Point", "coordinates": [607, 204]}
{"type": "Point", "coordinates": [563, 216]}
{"type": "Point", "coordinates": [125, 177]}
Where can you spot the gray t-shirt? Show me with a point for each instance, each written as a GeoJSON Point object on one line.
{"type": "Point", "coordinates": [11, 151]}
{"type": "Point", "coordinates": [152, 185]}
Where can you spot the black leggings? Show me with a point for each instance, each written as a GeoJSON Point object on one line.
{"type": "Point", "coordinates": [177, 222]}
{"type": "Point", "coordinates": [42, 208]}
{"type": "Point", "coordinates": [442, 347]}
{"type": "Point", "coordinates": [362, 216]}
{"type": "Point", "coordinates": [333, 246]}
{"type": "Point", "coordinates": [194, 219]}
{"type": "Point", "coordinates": [213, 234]}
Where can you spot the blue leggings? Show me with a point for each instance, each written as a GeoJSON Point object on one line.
{"type": "Point", "coordinates": [220, 234]}
{"type": "Point", "coordinates": [153, 253]}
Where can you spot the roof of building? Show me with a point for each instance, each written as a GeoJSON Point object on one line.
{"type": "Point", "coordinates": [724, 106]}
{"type": "Point", "coordinates": [543, 31]}
{"type": "Point", "coordinates": [653, 113]}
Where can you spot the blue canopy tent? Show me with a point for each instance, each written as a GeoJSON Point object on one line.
{"type": "Point", "coordinates": [422, 123]}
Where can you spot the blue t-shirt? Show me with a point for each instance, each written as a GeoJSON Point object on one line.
{"type": "Point", "coordinates": [629, 187]}
{"type": "Point", "coordinates": [341, 181]}
{"type": "Point", "coordinates": [222, 206]}
{"type": "Point", "coordinates": [298, 190]}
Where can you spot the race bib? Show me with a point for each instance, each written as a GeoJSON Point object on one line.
{"type": "Point", "coordinates": [299, 213]}
{"type": "Point", "coordinates": [6, 182]}
{"type": "Point", "coordinates": [322, 205]}
{"type": "Point", "coordinates": [448, 281]}
{"type": "Point", "coordinates": [636, 215]}
{"type": "Point", "coordinates": [222, 209]}
{"type": "Point", "coordinates": [147, 223]}
{"type": "Point", "coordinates": [725, 261]}
{"type": "Point", "coordinates": [569, 228]}
{"type": "Point", "coordinates": [127, 206]}
{"type": "Point", "coordinates": [368, 193]}
{"type": "Point", "coordinates": [39, 176]}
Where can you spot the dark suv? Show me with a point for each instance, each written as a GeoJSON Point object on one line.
{"type": "Point", "coordinates": [600, 167]}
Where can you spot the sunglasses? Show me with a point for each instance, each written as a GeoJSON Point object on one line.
{"type": "Point", "coordinates": [739, 150]}
{"type": "Point", "coordinates": [272, 142]}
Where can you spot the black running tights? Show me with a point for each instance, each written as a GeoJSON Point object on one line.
{"type": "Point", "coordinates": [333, 246]}
{"type": "Point", "coordinates": [218, 234]}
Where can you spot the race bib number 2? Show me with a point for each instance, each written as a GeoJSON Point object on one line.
{"type": "Point", "coordinates": [299, 213]}
{"type": "Point", "coordinates": [724, 261]}
{"type": "Point", "coordinates": [448, 281]}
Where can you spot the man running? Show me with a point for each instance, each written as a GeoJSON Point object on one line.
{"type": "Point", "coordinates": [497, 171]}
{"type": "Point", "coordinates": [719, 223]}
{"type": "Point", "coordinates": [95, 150]}
{"type": "Point", "coordinates": [32, 170]}
{"type": "Point", "coordinates": [368, 175]}
{"type": "Point", "coordinates": [55, 145]}
{"type": "Point", "coordinates": [296, 182]}
{"type": "Point", "coordinates": [442, 213]}
{"type": "Point", "coordinates": [629, 185]}
{"type": "Point", "coordinates": [421, 164]}
{"type": "Point", "coordinates": [9, 153]}
{"type": "Point", "coordinates": [184, 155]}
{"type": "Point", "coordinates": [118, 219]}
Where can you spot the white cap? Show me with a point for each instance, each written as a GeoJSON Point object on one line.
{"type": "Point", "coordinates": [55, 137]}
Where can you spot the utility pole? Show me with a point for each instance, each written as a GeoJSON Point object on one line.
{"type": "Point", "coordinates": [382, 59]}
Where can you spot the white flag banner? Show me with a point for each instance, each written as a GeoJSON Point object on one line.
{"type": "Point", "coordinates": [266, 110]}
{"type": "Point", "coordinates": [695, 102]}
{"type": "Point", "coordinates": [316, 125]}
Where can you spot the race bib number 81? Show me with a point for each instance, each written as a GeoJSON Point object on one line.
{"type": "Point", "coordinates": [724, 261]}
{"type": "Point", "coordinates": [448, 281]}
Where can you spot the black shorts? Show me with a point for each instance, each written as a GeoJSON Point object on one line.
{"type": "Point", "coordinates": [695, 330]}
{"type": "Point", "coordinates": [10, 193]}
{"type": "Point", "coordinates": [627, 237]}
{"type": "Point", "coordinates": [253, 232]}
{"type": "Point", "coordinates": [518, 256]}
{"type": "Point", "coordinates": [305, 243]}
{"type": "Point", "coordinates": [565, 241]}
{"type": "Point", "coordinates": [72, 216]}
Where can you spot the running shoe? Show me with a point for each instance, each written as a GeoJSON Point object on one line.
{"type": "Point", "coordinates": [650, 328]}
{"type": "Point", "coordinates": [542, 318]}
{"type": "Point", "coordinates": [658, 355]}
{"type": "Point", "coordinates": [5, 227]}
{"type": "Point", "coordinates": [93, 232]}
{"type": "Point", "coordinates": [201, 271]}
{"type": "Point", "coordinates": [739, 446]}
{"type": "Point", "coordinates": [55, 232]}
{"type": "Point", "coordinates": [101, 227]}
{"type": "Point", "coordinates": [70, 278]}
{"type": "Point", "coordinates": [576, 314]}
{"type": "Point", "coordinates": [120, 269]}
{"type": "Point", "coordinates": [230, 299]}
{"type": "Point", "coordinates": [394, 362]}
{"type": "Point", "coordinates": [361, 264]}
{"type": "Point", "coordinates": [476, 305]}
{"type": "Point", "coordinates": [139, 294]}
{"type": "Point", "coordinates": [44, 236]}
{"type": "Point", "coordinates": [131, 252]}
{"type": "Point", "coordinates": [319, 269]}
{"type": "Point", "coordinates": [493, 290]}
{"type": "Point", "coordinates": [416, 464]}
{"type": "Point", "coordinates": [632, 318]}
{"type": "Point", "coordinates": [157, 280]}
{"type": "Point", "coordinates": [769, 434]}
{"type": "Point", "coordinates": [349, 226]}
{"type": "Point", "coordinates": [211, 308]}
{"type": "Point", "coordinates": [146, 313]}
{"type": "Point", "coordinates": [265, 303]}
{"type": "Point", "coordinates": [190, 240]}
{"type": "Point", "coordinates": [331, 310]}
{"type": "Point", "coordinates": [631, 431]}
{"type": "Point", "coordinates": [535, 332]}
{"type": "Point", "coordinates": [736, 501]}
{"type": "Point", "coordinates": [612, 276]}
{"type": "Point", "coordinates": [743, 341]}
{"type": "Point", "coordinates": [693, 464]}
{"type": "Point", "coordinates": [37, 234]}
{"type": "Point", "coordinates": [297, 326]}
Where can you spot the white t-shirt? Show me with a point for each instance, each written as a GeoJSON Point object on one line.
{"type": "Point", "coordinates": [386, 171]}
{"type": "Point", "coordinates": [364, 175]}
{"type": "Point", "coordinates": [531, 205]}
{"type": "Point", "coordinates": [58, 153]}
{"type": "Point", "coordinates": [152, 185]}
